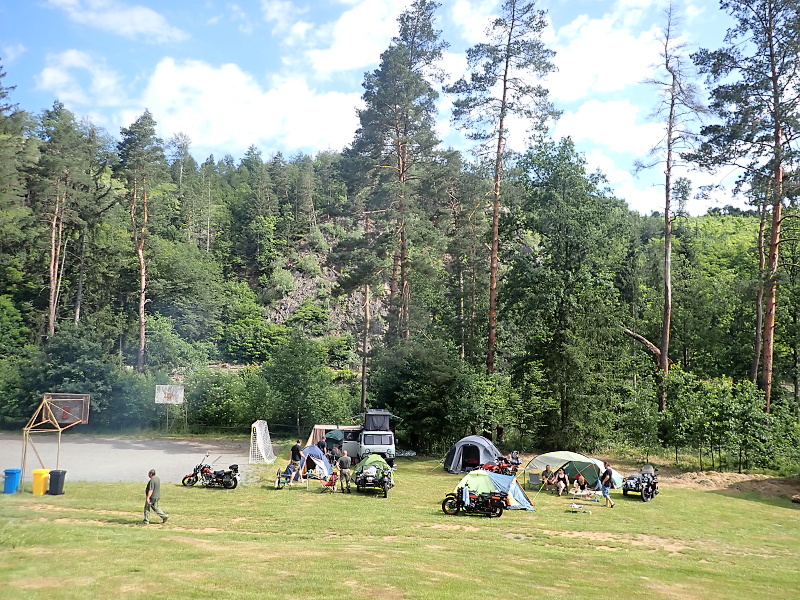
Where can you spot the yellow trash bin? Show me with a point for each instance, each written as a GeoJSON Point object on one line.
{"type": "Point", "coordinates": [40, 480]}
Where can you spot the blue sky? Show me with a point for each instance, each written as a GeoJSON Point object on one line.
{"type": "Point", "coordinates": [285, 75]}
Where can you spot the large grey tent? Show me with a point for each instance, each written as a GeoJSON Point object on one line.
{"type": "Point", "coordinates": [470, 453]}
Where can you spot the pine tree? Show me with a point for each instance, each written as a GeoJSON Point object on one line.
{"type": "Point", "coordinates": [501, 84]}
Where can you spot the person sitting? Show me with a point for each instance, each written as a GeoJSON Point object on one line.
{"type": "Point", "coordinates": [548, 478]}
{"type": "Point", "coordinates": [579, 485]}
{"type": "Point", "coordinates": [561, 481]}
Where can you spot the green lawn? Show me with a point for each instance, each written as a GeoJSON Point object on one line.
{"type": "Point", "coordinates": [258, 542]}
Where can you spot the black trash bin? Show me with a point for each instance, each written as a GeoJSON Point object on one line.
{"type": "Point", "coordinates": [56, 482]}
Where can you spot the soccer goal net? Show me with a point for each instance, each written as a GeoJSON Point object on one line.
{"type": "Point", "coordinates": [261, 444]}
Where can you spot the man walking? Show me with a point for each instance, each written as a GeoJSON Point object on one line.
{"type": "Point", "coordinates": [296, 459]}
{"type": "Point", "coordinates": [344, 464]}
{"type": "Point", "coordinates": [152, 496]}
{"type": "Point", "coordinates": [607, 482]}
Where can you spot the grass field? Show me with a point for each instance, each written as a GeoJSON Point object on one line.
{"type": "Point", "coordinates": [258, 542]}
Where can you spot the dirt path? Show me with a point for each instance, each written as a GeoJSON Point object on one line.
{"type": "Point", "coordinates": [120, 458]}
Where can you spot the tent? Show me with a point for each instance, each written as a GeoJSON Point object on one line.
{"type": "Point", "coordinates": [315, 460]}
{"type": "Point", "coordinates": [481, 481]}
{"type": "Point", "coordinates": [573, 463]}
{"type": "Point", "coordinates": [470, 453]}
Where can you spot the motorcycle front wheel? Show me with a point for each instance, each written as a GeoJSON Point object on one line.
{"type": "Point", "coordinates": [189, 480]}
{"type": "Point", "coordinates": [385, 490]}
{"type": "Point", "coordinates": [647, 495]}
{"type": "Point", "coordinates": [230, 483]}
{"type": "Point", "coordinates": [450, 506]}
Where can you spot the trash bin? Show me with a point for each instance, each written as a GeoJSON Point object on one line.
{"type": "Point", "coordinates": [56, 482]}
{"type": "Point", "coordinates": [40, 477]}
{"type": "Point", "coordinates": [13, 477]}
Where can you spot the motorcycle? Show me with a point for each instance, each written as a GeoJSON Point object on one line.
{"type": "Point", "coordinates": [209, 477]}
{"type": "Point", "coordinates": [503, 466]}
{"type": "Point", "coordinates": [644, 483]}
{"type": "Point", "coordinates": [490, 504]}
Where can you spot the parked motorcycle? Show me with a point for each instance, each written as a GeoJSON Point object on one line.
{"type": "Point", "coordinates": [502, 466]}
{"type": "Point", "coordinates": [644, 483]}
{"type": "Point", "coordinates": [209, 477]}
{"type": "Point", "coordinates": [490, 504]}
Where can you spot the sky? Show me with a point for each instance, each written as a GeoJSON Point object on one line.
{"type": "Point", "coordinates": [285, 75]}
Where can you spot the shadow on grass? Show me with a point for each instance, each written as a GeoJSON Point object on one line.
{"type": "Point", "coordinates": [738, 494]}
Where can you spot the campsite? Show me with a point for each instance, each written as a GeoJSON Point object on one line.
{"type": "Point", "coordinates": [695, 541]}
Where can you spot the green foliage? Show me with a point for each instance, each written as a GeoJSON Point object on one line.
{"type": "Point", "coordinates": [309, 265]}
{"type": "Point", "coordinates": [439, 397]}
{"type": "Point", "coordinates": [168, 351]}
{"type": "Point", "coordinates": [303, 388]}
{"type": "Point", "coordinates": [310, 318]}
{"type": "Point", "coordinates": [13, 332]}
{"type": "Point", "coordinates": [281, 282]}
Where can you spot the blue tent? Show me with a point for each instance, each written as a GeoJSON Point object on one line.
{"type": "Point", "coordinates": [315, 461]}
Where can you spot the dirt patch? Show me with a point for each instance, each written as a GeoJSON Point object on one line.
{"type": "Point", "coordinates": [778, 487]}
{"type": "Point", "coordinates": [454, 527]}
{"type": "Point", "coordinates": [649, 542]}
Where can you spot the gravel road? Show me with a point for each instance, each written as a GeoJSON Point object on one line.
{"type": "Point", "coordinates": [120, 458]}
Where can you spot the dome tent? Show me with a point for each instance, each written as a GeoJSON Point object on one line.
{"type": "Point", "coordinates": [315, 460]}
{"type": "Point", "coordinates": [470, 453]}
{"type": "Point", "coordinates": [484, 481]}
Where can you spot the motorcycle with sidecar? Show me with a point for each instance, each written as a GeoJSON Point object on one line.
{"type": "Point", "coordinates": [645, 483]}
{"type": "Point", "coordinates": [489, 504]}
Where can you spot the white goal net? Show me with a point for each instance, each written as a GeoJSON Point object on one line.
{"type": "Point", "coordinates": [261, 444]}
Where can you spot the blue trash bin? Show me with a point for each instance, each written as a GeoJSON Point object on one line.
{"type": "Point", "coordinates": [13, 477]}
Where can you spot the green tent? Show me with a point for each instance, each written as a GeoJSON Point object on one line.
{"type": "Point", "coordinates": [481, 481]}
{"type": "Point", "coordinates": [573, 463]}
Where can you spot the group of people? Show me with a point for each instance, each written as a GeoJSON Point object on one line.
{"type": "Point", "coordinates": [339, 457]}
{"type": "Point", "coordinates": [559, 480]}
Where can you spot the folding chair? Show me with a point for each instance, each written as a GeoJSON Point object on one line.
{"type": "Point", "coordinates": [330, 484]}
{"type": "Point", "coordinates": [534, 481]}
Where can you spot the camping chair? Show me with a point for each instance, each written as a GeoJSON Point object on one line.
{"type": "Point", "coordinates": [330, 484]}
{"type": "Point", "coordinates": [534, 480]}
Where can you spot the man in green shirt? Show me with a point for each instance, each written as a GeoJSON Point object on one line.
{"type": "Point", "coordinates": [344, 465]}
{"type": "Point", "coordinates": [152, 496]}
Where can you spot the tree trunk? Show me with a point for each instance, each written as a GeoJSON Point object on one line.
{"type": "Point", "coordinates": [56, 260]}
{"type": "Point", "coordinates": [139, 234]}
{"type": "Point", "coordinates": [81, 277]}
{"type": "Point", "coordinates": [365, 350]}
{"type": "Point", "coordinates": [759, 295]}
{"type": "Point", "coordinates": [493, 258]}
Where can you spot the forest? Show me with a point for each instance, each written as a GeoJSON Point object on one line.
{"type": "Point", "coordinates": [480, 291]}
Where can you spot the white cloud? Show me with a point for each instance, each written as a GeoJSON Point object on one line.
{"type": "Point", "coordinates": [472, 16]}
{"type": "Point", "coordinates": [135, 22]}
{"type": "Point", "coordinates": [12, 52]}
{"type": "Point", "coordinates": [238, 14]}
{"type": "Point", "coordinates": [357, 38]}
{"type": "Point", "coordinates": [64, 77]}
{"type": "Point", "coordinates": [612, 124]}
{"type": "Point", "coordinates": [600, 56]}
{"type": "Point", "coordinates": [286, 16]}
{"type": "Point", "coordinates": [289, 115]}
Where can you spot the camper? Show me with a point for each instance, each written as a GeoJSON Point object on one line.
{"type": "Point", "coordinates": [373, 437]}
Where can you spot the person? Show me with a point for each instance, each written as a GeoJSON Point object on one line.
{"type": "Point", "coordinates": [562, 481]}
{"type": "Point", "coordinates": [579, 485]}
{"type": "Point", "coordinates": [295, 460]}
{"type": "Point", "coordinates": [606, 482]}
{"type": "Point", "coordinates": [548, 477]}
{"type": "Point", "coordinates": [322, 445]}
{"type": "Point", "coordinates": [344, 463]}
{"type": "Point", "coordinates": [152, 496]}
